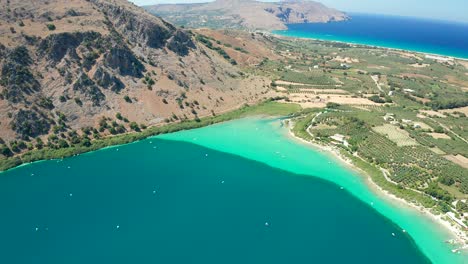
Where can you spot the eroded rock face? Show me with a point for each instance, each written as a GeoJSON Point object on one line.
{"type": "Point", "coordinates": [137, 30]}
{"type": "Point", "coordinates": [89, 88]}
{"type": "Point", "coordinates": [107, 80]}
{"type": "Point", "coordinates": [56, 46]}
{"type": "Point", "coordinates": [180, 43]}
{"type": "Point", "coordinates": [122, 59]}
{"type": "Point", "coordinates": [28, 123]}
{"type": "Point", "coordinates": [151, 32]}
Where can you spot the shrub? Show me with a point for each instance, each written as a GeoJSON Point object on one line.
{"type": "Point", "coordinates": [51, 27]}
{"type": "Point", "coordinates": [376, 99]}
{"type": "Point", "coordinates": [78, 102]}
{"type": "Point", "coordinates": [134, 126]}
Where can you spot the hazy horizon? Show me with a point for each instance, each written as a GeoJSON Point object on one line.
{"type": "Point", "coordinates": [450, 10]}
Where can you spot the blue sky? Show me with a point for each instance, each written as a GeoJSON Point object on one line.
{"type": "Point", "coordinates": [439, 9]}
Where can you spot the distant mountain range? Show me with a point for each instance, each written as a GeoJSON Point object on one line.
{"type": "Point", "coordinates": [247, 14]}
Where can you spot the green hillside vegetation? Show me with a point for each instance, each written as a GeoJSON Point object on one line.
{"type": "Point", "coordinates": [395, 135]}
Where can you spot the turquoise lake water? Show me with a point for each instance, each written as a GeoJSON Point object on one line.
{"type": "Point", "coordinates": [236, 192]}
{"type": "Point", "coordinates": [414, 34]}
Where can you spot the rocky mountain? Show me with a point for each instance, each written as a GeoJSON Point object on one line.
{"type": "Point", "coordinates": [248, 14]}
{"type": "Point", "coordinates": [84, 69]}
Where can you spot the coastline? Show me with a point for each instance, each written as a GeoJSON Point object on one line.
{"type": "Point", "coordinates": [276, 34]}
{"type": "Point", "coordinates": [460, 237]}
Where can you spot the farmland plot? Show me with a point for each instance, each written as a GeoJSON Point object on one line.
{"type": "Point", "coordinates": [395, 134]}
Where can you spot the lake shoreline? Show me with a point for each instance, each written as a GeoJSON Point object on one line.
{"type": "Point", "coordinates": [460, 237]}
{"type": "Point", "coordinates": [269, 107]}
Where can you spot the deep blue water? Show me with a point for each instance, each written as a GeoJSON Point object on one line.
{"type": "Point", "coordinates": [159, 201]}
{"type": "Point", "coordinates": [422, 35]}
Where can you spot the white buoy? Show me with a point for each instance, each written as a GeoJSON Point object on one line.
{"type": "Point", "coordinates": [32, 174]}
{"type": "Point", "coordinates": [37, 229]}
{"type": "Point", "coordinates": [341, 188]}
{"type": "Point", "coordinates": [393, 234]}
{"type": "Point", "coordinates": [404, 231]}
{"type": "Point", "coordinates": [71, 194]}
{"type": "Point", "coordinates": [267, 224]}
{"type": "Point", "coordinates": [117, 149]}
{"type": "Point", "coordinates": [372, 203]}
{"type": "Point", "coordinates": [117, 227]}
{"type": "Point", "coordinates": [154, 192]}
{"type": "Point", "coordinates": [206, 155]}
{"type": "Point", "coordinates": [222, 181]}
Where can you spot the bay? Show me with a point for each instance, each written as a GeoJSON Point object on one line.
{"type": "Point", "coordinates": [407, 33]}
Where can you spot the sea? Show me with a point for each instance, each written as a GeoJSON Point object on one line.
{"type": "Point", "coordinates": [415, 34]}
{"type": "Point", "coordinates": [242, 191]}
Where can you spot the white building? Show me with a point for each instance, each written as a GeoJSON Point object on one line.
{"type": "Point", "coordinates": [340, 139]}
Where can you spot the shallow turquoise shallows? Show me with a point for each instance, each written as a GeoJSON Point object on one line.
{"type": "Point", "coordinates": [166, 200]}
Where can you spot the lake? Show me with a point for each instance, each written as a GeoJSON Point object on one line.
{"type": "Point", "coordinates": [237, 192]}
{"type": "Point", "coordinates": [414, 34]}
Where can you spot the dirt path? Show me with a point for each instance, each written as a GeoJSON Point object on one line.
{"type": "Point", "coordinates": [448, 129]}
{"type": "Point", "coordinates": [375, 78]}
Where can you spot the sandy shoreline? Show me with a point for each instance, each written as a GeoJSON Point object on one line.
{"type": "Point", "coordinates": [370, 46]}
{"type": "Point", "coordinates": [460, 238]}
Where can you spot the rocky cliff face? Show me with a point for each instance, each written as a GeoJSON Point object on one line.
{"type": "Point", "coordinates": [67, 66]}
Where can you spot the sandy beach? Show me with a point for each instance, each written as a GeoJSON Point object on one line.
{"type": "Point", "coordinates": [425, 54]}
{"type": "Point", "coordinates": [459, 236]}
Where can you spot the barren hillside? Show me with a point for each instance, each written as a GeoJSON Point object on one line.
{"type": "Point", "coordinates": [101, 67]}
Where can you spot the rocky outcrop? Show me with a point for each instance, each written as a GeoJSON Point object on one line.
{"type": "Point", "coordinates": [180, 43]}
{"type": "Point", "coordinates": [149, 31]}
{"type": "Point", "coordinates": [56, 46]}
{"type": "Point", "coordinates": [122, 59]}
{"type": "Point", "coordinates": [107, 80]}
{"type": "Point", "coordinates": [89, 88]}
